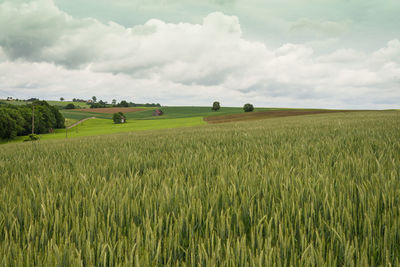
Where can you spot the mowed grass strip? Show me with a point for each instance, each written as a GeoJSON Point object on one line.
{"type": "Point", "coordinates": [69, 122]}
{"type": "Point", "coordinates": [318, 190]}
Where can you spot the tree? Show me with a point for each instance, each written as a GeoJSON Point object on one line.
{"type": "Point", "coordinates": [119, 118]}
{"type": "Point", "coordinates": [216, 106]}
{"type": "Point", "coordinates": [61, 98]}
{"type": "Point", "coordinates": [94, 99]}
{"type": "Point", "coordinates": [114, 102]}
{"type": "Point", "coordinates": [248, 108]}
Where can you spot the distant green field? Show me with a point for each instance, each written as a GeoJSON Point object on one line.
{"type": "Point", "coordinates": [79, 115]}
{"type": "Point", "coordinates": [64, 103]}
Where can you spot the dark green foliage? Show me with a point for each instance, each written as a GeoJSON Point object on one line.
{"type": "Point", "coordinates": [60, 120]}
{"type": "Point", "coordinates": [131, 104]}
{"type": "Point", "coordinates": [98, 105]}
{"type": "Point", "coordinates": [123, 103]}
{"type": "Point", "coordinates": [216, 106]}
{"type": "Point", "coordinates": [17, 120]}
{"type": "Point", "coordinates": [79, 100]}
{"type": "Point", "coordinates": [248, 108]}
{"type": "Point", "coordinates": [119, 118]}
{"type": "Point", "coordinates": [70, 106]}
{"type": "Point", "coordinates": [11, 123]}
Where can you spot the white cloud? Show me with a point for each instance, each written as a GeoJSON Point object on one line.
{"type": "Point", "coordinates": [51, 54]}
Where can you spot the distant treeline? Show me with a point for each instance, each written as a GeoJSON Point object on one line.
{"type": "Point", "coordinates": [17, 120]}
{"type": "Point", "coordinates": [123, 103]}
{"type": "Point", "coordinates": [126, 104]}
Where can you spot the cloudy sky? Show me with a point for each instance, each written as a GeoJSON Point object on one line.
{"type": "Point", "coordinates": [272, 53]}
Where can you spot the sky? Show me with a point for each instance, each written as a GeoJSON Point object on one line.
{"type": "Point", "coordinates": [271, 53]}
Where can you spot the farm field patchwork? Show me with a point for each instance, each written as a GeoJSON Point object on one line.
{"type": "Point", "coordinates": [317, 190]}
{"type": "Point", "coordinates": [97, 126]}
{"type": "Point", "coordinates": [157, 122]}
{"type": "Point", "coordinates": [169, 112]}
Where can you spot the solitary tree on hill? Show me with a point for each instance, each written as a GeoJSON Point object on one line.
{"type": "Point", "coordinates": [94, 99]}
{"type": "Point", "coordinates": [61, 98]}
{"type": "Point", "coordinates": [248, 108]}
{"type": "Point", "coordinates": [216, 106]}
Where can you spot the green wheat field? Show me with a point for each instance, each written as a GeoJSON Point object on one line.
{"type": "Point", "coordinates": [318, 190]}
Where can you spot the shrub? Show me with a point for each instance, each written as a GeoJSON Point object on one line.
{"type": "Point", "coordinates": [248, 107]}
{"type": "Point", "coordinates": [70, 106]}
{"type": "Point", "coordinates": [32, 137]}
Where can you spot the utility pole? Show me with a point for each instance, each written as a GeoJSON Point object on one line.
{"type": "Point", "coordinates": [33, 119]}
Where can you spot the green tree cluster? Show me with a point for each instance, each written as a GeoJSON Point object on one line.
{"type": "Point", "coordinates": [17, 120]}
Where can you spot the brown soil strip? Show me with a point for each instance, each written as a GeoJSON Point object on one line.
{"type": "Point", "coordinates": [266, 115]}
{"type": "Point", "coordinates": [110, 110]}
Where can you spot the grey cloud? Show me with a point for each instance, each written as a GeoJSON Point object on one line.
{"type": "Point", "coordinates": [182, 62]}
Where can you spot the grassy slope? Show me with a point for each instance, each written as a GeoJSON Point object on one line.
{"type": "Point", "coordinates": [95, 127]}
{"type": "Point", "coordinates": [303, 191]}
